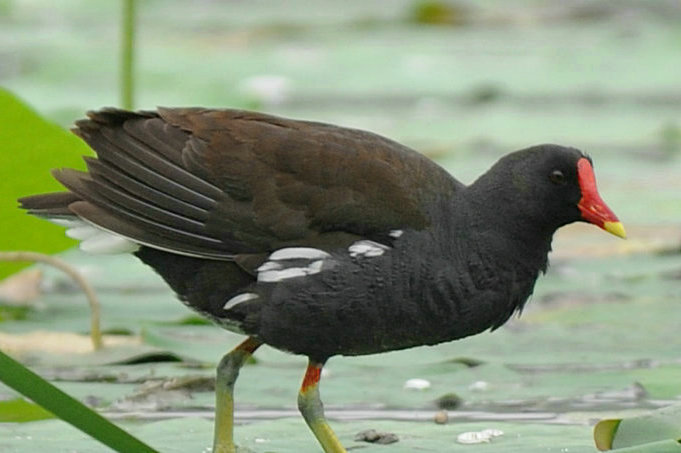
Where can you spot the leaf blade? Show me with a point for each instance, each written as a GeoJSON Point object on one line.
{"type": "Point", "coordinates": [72, 411]}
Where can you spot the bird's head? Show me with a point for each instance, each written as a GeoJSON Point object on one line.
{"type": "Point", "coordinates": [551, 186]}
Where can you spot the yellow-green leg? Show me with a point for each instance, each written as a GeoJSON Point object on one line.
{"type": "Point", "coordinates": [311, 407]}
{"type": "Point", "coordinates": [228, 371]}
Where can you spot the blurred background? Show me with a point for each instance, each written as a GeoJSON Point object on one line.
{"type": "Point", "coordinates": [442, 76]}
{"type": "Point", "coordinates": [463, 82]}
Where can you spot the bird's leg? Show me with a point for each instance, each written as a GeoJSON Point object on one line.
{"type": "Point", "coordinates": [311, 407]}
{"type": "Point", "coordinates": [228, 371]}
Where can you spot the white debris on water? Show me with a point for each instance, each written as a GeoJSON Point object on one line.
{"type": "Point", "coordinates": [478, 437]}
{"type": "Point", "coordinates": [479, 386]}
{"type": "Point", "coordinates": [417, 384]}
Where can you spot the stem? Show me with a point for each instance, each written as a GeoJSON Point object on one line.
{"type": "Point", "coordinates": [64, 406]}
{"type": "Point", "coordinates": [127, 54]}
{"type": "Point", "coordinates": [95, 331]}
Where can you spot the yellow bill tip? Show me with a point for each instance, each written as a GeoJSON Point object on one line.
{"type": "Point", "coordinates": [615, 228]}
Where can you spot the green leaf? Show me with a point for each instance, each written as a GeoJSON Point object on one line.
{"type": "Point", "coordinates": [10, 312]}
{"type": "Point", "coordinates": [31, 147]}
{"type": "Point", "coordinates": [20, 410]}
{"type": "Point", "coordinates": [604, 433]}
{"type": "Point", "coordinates": [29, 384]}
{"type": "Point", "coordinates": [662, 446]}
{"type": "Point", "coordinates": [655, 432]}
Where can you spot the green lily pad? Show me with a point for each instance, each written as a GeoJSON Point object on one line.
{"type": "Point", "coordinates": [657, 432]}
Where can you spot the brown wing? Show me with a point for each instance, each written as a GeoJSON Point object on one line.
{"type": "Point", "coordinates": [215, 183]}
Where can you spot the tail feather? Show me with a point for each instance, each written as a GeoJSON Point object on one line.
{"type": "Point", "coordinates": [138, 187]}
{"type": "Point", "coordinates": [57, 208]}
{"type": "Point", "coordinates": [50, 204]}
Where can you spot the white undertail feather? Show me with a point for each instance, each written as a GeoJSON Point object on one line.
{"type": "Point", "coordinates": [94, 239]}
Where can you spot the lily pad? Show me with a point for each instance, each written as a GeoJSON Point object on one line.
{"type": "Point", "coordinates": [657, 432]}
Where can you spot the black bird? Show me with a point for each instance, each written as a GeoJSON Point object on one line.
{"type": "Point", "coordinates": [316, 239]}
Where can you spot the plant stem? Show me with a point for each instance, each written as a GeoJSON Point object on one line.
{"type": "Point", "coordinates": [95, 331]}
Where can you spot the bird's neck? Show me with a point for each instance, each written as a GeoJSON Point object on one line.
{"type": "Point", "coordinates": [500, 228]}
{"type": "Point", "coordinates": [479, 263]}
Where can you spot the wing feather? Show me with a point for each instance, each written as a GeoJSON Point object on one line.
{"type": "Point", "coordinates": [216, 183]}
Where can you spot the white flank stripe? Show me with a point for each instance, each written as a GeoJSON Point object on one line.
{"type": "Point", "coordinates": [269, 266]}
{"type": "Point", "coordinates": [236, 300]}
{"type": "Point", "coordinates": [293, 272]}
{"type": "Point", "coordinates": [298, 253]}
{"type": "Point", "coordinates": [395, 233]}
{"type": "Point", "coordinates": [367, 248]}
{"type": "Point", "coordinates": [315, 267]}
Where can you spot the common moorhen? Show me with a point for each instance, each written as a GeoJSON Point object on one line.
{"type": "Point", "coordinates": [317, 239]}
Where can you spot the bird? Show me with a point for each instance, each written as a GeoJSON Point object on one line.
{"type": "Point", "coordinates": [316, 239]}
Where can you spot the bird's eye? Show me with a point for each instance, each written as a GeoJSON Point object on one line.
{"type": "Point", "coordinates": [557, 177]}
